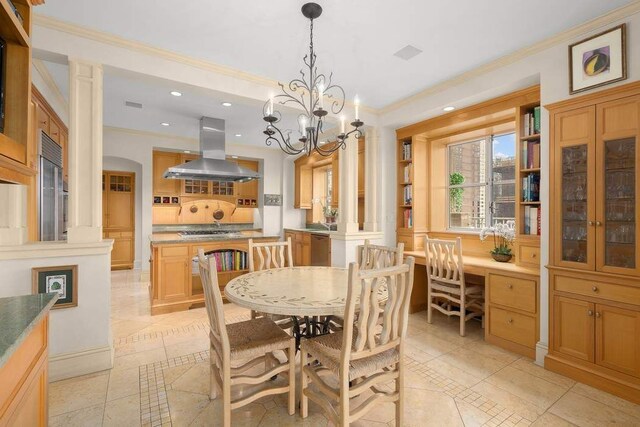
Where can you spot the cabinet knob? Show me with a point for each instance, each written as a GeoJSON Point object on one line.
{"type": "Point", "coordinates": [592, 223]}
{"type": "Point", "coordinates": [589, 313]}
{"type": "Point", "coordinates": [598, 223]}
{"type": "Point", "coordinates": [510, 321]}
{"type": "Point", "coordinates": [533, 255]}
{"type": "Point", "coordinates": [510, 286]}
{"type": "Point", "coordinates": [597, 314]}
{"type": "Point", "coordinates": [594, 289]}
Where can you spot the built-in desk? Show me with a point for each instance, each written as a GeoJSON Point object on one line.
{"type": "Point", "coordinates": [512, 303]}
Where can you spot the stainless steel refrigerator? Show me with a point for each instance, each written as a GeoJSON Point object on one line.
{"type": "Point", "coordinates": [51, 202]}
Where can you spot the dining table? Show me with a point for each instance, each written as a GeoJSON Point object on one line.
{"type": "Point", "coordinates": [313, 297]}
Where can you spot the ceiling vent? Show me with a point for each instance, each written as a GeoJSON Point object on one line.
{"type": "Point", "coordinates": [133, 104]}
{"type": "Point", "coordinates": [407, 52]}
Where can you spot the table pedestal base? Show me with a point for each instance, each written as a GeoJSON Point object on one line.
{"type": "Point", "coordinates": [309, 327]}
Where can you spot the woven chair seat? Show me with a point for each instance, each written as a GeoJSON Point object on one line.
{"type": "Point", "coordinates": [326, 348]}
{"type": "Point", "coordinates": [256, 337]}
{"type": "Point", "coordinates": [455, 289]}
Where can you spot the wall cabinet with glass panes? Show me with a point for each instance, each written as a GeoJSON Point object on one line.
{"type": "Point", "coordinates": [594, 253]}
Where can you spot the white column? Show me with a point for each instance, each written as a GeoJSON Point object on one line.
{"type": "Point", "coordinates": [13, 214]}
{"type": "Point", "coordinates": [348, 212]}
{"type": "Point", "coordinates": [85, 152]}
{"type": "Point", "coordinates": [371, 181]}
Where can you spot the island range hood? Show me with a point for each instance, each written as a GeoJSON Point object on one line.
{"type": "Point", "coordinates": [212, 166]}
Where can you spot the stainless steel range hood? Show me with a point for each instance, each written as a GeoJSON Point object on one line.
{"type": "Point", "coordinates": [212, 166]}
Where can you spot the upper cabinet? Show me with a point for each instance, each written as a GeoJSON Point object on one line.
{"type": "Point", "coordinates": [595, 160]}
{"type": "Point", "coordinates": [51, 124]}
{"type": "Point", "coordinates": [163, 160]}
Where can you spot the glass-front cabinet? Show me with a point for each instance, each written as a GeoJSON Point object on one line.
{"type": "Point", "coordinates": [597, 157]}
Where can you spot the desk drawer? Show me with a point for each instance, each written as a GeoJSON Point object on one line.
{"type": "Point", "coordinates": [529, 255]}
{"type": "Point", "coordinates": [513, 292]}
{"type": "Point", "coordinates": [175, 251]}
{"type": "Point", "coordinates": [512, 326]}
{"type": "Point", "coordinates": [596, 289]}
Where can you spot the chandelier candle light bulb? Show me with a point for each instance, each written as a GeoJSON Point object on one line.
{"type": "Point", "coordinates": [321, 96]}
{"type": "Point", "coordinates": [356, 102]}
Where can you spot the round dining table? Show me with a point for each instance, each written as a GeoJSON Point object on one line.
{"type": "Point", "coordinates": [313, 294]}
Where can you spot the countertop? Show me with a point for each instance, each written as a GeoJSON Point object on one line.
{"type": "Point", "coordinates": [160, 238]}
{"type": "Point", "coordinates": [18, 316]}
{"type": "Point", "coordinates": [311, 231]}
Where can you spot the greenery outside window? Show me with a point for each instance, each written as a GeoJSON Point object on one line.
{"type": "Point", "coordinates": [481, 182]}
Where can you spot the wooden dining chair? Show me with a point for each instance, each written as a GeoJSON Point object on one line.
{"type": "Point", "coordinates": [271, 255]}
{"type": "Point", "coordinates": [238, 347]}
{"type": "Point", "coordinates": [447, 290]}
{"type": "Point", "coordinates": [364, 356]}
{"type": "Point", "coordinates": [370, 256]}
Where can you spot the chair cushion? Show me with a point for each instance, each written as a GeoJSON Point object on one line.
{"type": "Point", "coordinates": [326, 348]}
{"type": "Point", "coordinates": [256, 337]}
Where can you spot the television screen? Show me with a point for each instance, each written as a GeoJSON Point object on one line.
{"type": "Point", "coordinates": [3, 80]}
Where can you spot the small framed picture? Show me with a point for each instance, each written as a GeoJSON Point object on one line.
{"type": "Point", "coordinates": [157, 199]}
{"type": "Point", "coordinates": [599, 60]}
{"type": "Point", "coordinates": [166, 200]}
{"type": "Point", "coordinates": [240, 202]}
{"type": "Point", "coordinates": [61, 279]}
{"type": "Point", "coordinates": [175, 201]}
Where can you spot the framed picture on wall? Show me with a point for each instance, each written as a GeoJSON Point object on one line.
{"type": "Point", "coordinates": [61, 279]}
{"type": "Point", "coordinates": [599, 60]}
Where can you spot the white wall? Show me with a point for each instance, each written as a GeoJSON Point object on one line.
{"type": "Point", "coordinates": [549, 67]}
{"type": "Point", "coordinates": [125, 165]}
{"type": "Point", "coordinates": [138, 147]}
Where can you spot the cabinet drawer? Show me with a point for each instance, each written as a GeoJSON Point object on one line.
{"type": "Point", "coordinates": [513, 292]}
{"type": "Point", "coordinates": [529, 255]}
{"type": "Point", "coordinates": [511, 326]}
{"type": "Point", "coordinates": [175, 251]}
{"type": "Point", "coordinates": [609, 291]}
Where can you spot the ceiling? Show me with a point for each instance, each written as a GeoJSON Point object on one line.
{"type": "Point", "coordinates": [183, 113]}
{"type": "Point", "coordinates": [354, 39]}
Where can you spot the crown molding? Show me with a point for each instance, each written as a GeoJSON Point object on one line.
{"type": "Point", "coordinates": [50, 82]}
{"type": "Point", "coordinates": [562, 37]}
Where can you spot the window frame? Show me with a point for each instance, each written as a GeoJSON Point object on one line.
{"type": "Point", "coordinates": [488, 184]}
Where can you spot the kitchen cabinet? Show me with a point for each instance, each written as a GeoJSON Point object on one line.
{"type": "Point", "coordinates": [247, 190]}
{"type": "Point", "coordinates": [193, 187]}
{"type": "Point", "coordinates": [595, 258]}
{"type": "Point", "coordinates": [301, 247]}
{"type": "Point", "coordinates": [163, 160]}
{"type": "Point", "coordinates": [118, 216]}
{"type": "Point", "coordinates": [320, 250]}
{"type": "Point", "coordinates": [53, 126]}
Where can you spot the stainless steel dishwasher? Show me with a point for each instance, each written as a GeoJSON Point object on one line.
{"type": "Point", "coordinates": [321, 250]}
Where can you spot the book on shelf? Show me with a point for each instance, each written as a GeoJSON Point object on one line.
{"type": "Point", "coordinates": [230, 260]}
{"type": "Point", "coordinates": [406, 150]}
{"type": "Point", "coordinates": [408, 218]}
{"type": "Point", "coordinates": [407, 196]}
{"type": "Point", "coordinates": [536, 120]}
{"type": "Point", "coordinates": [407, 174]}
{"type": "Point", "coordinates": [532, 220]}
{"type": "Point", "coordinates": [531, 154]}
{"type": "Point", "coordinates": [531, 187]}
{"type": "Point", "coordinates": [532, 122]}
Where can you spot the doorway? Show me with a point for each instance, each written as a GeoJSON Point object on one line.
{"type": "Point", "coordinates": [118, 216]}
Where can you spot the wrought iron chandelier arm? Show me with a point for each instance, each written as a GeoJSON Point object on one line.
{"type": "Point", "coordinates": [283, 141]}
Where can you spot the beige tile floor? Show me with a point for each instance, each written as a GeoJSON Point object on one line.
{"type": "Point", "coordinates": [160, 377]}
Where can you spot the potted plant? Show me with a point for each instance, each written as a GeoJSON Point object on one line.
{"type": "Point", "coordinates": [455, 199]}
{"type": "Point", "coordinates": [330, 214]}
{"type": "Point", "coordinates": [503, 237]}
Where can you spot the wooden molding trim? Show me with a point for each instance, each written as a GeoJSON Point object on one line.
{"type": "Point", "coordinates": [51, 84]}
{"type": "Point", "coordinates": [615, 15]}
{"type": "Point", "coordinates": [491, 107]}
{"type": "Point", "coordinates": [54, 249]}
{"type": "Point", "coordinates": [615, 92]}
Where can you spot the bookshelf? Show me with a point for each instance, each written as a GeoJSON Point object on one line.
{"type": "Point", "coordinates": [528, 176]}
{"type": "Point", "coordinates": [412, 191]}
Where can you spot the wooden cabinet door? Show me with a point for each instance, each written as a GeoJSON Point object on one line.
{"type": "Point", "coordinates": [297, 254]}
{"type": "Point", "coordinates": [306, 254]}
{"type": "Point", "coordinates": [54, 131]}
{"type": "Point", "coordinates": [574, 188]}
{"type": "Point", "coordinates": [617, 183]}
{"type": "Point", "coordinates": [161, 162]}
{"type": "Point", "coordinates": [33, 407]}
{"type": "Point", "coordinates": [618, 339]}
{"type": "Point", "coordinates": [174, 278]}
{"type": "Point", "coordinates": [247, 190]}
{"type": "Point", "coordinates": [43, 118]}
{"type": "Point", "coordinates": [120, 203]}
{"type": "Point", "coordinates": [573, 328]}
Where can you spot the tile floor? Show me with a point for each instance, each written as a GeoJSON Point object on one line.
{"type": "Point", "coordinates": [160, 377]}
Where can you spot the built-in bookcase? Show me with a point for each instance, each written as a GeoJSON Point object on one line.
{"type": "Point", "coordinates": [411, 214]}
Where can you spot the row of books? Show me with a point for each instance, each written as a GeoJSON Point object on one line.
{"type": "Point", "coordinates": [407, 173]}
{"type": "Point", "coordinates": [532, 220]}
{"type": "Point", "coordinates": [532, 122]}
{"type": "Point", "coordinates": [531, 154]}
{"type": "Point", "coordinates": [408, 218]}
{"type": "Point", "coordinates": [531, 187]}
{"type": "Point", "coordinates": [230, 260]}
{"type": "Point", "coordinates": [406, 150]}
{"type": "Point", "coordinates": [407, 195]}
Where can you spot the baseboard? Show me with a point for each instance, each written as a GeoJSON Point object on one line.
{"type": "Point", "coordinates": [84, 362]}
{"type": "Point", "coordinates": [541, 352]}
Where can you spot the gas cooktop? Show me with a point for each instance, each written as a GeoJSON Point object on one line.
{"type": "Point", "coordinates": [199, 233]}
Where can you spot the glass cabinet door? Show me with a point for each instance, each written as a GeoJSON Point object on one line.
{"type": "Point", "coordinates": [575, 199]}
{"type": "Point", "coordinates": [619, 200]}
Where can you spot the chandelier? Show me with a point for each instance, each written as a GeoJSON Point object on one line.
{"type": "Point", "coordinates": [309, 92]}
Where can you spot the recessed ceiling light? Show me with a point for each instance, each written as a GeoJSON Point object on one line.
{"type": "Point", "coordinates": [408, 52]}
{"type": "Point", "coordinates": [164, 124]}
{"type": "Point", "coordinates": [234, 157]}
{"type": "Point", "coordinates": [187, 152]}
{"type": "Point", "coordinates": [226, 104]}
{"type": "Point", "coordinates": [238, 135]}
{"type": "Point", "coordinates": [449, 108]}
{"type": "Point", "coordinates": [176, 93]}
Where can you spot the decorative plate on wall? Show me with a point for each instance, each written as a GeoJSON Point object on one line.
{"type": "Point", "coordinates": [273, 200]}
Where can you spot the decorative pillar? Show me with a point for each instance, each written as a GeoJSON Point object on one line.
{"type": "Point", "coordinates": [348, 213]}
{"type": "Point", "coordinates": [371, 180]}
{"type": "Point", "coordinates": [13, 214]}
{"type": "Point", "coordinates": [85, 152]}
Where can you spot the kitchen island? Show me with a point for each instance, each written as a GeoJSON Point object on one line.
{"type": "Point", "coordinates": [175, 282]}
{"type": "Point", "coordinates": [24, 341]}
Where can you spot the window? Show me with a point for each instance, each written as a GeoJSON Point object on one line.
{"type": "Point", "coordinates": [481, 182]}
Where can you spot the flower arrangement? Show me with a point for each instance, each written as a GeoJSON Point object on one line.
{"type": "Point", "coordinates": [504, 235]}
